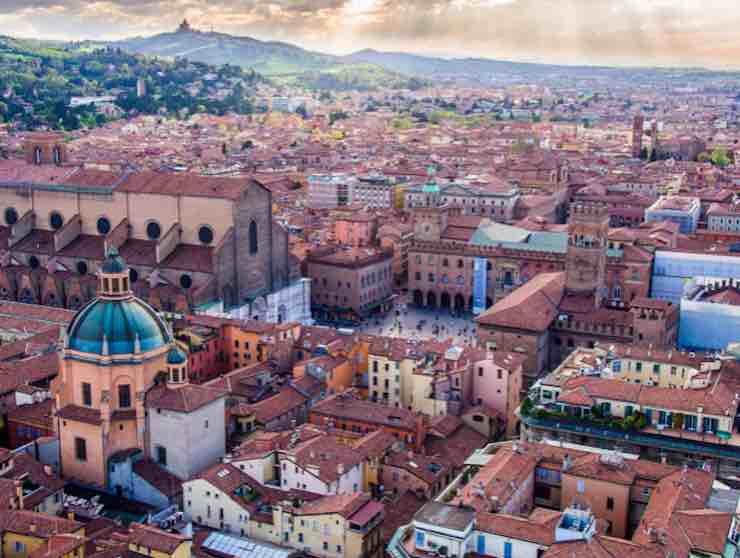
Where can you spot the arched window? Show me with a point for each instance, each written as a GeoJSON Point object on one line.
{"type": "Point", "coordinates": [56, 221]}
{"type": "Point", "coordinates": [37, 155]}
{"type": "Point", "coordinates": [57, 155]}
{"type": "Point", "coordinates": [253, 238]}
{"type": "Point", "coordinates": [205, 234]}
{"type": "Point", "coordinates": [103, 225]}
{"type": "Point", "coordinates": [11, 216]}
{"type": "Point", "coordinates": [153, 230]}
{"type": "Point", "coordinates": [186, 281]}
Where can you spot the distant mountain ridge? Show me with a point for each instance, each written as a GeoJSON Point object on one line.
{"type": "Point", "coordinates": [266, 57]}
{"type": "Point", "coordinates": [273, 58]}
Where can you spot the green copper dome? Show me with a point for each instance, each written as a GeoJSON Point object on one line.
{"type": "Point", "coordinates": [176, 356]}
{"type": "Point", "coordinates": [117, 327]}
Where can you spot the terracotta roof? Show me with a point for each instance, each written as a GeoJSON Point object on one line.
{"type": "Point", "coordinates": [182, 184]}
{"type": "Point", "coordinates": [499, 479]}
{"type": "Point", "coordinates": [185, 399]}
{"type": "Point", "coordinates": [189, 257]}
{"type": "Point", "coordinates": [285, 401]}
{"type": "Point", "coordinates": [456, 446]}
{"type": "Point", "coordinates": [345, 505]}
{"type": "Point", "coordinates": [80, 414]}
{"type": "Point", "coordinates": [159, 477]}
{"type": "Point", "coordinates": [531, 307]}
{"type": "Point", "coordinates": [155, 539]}
{"type": "Point", "coordinates": [428, 469]}
{"type": "Point", "coordinates": [375, 444]}
{"type": "Point", "coordinates": [600, 546]}
{"type": "Point", "coordinates": [592, 467]}
{"type": "Point", "coordinates": [538, 528]}
{"type": "Point", "coordinates": [325, 453]}
{"type": "Point", "coordinates": [346, 406]}
{"type": "Point", "coordinates": [36, 524]}
{"type": "Point", "coordinates": [706, 530]}
{"type": "Point", "coordinates": [38, 414]}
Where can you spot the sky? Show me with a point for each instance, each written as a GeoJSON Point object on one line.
{"type": "Point", "coordinates": [615, 32]}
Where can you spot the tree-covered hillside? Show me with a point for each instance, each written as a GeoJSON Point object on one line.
{"type": "Point", "coordinates": [38, 81]}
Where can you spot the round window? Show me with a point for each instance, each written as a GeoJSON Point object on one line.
{"type": "Point", "coordinates": [56, 220]}
{"type": "Point", "coordinates": [205, 235]}
{"type": "Point", "coordinates": [153, 230]}
{"type": "Point", "coordinates": [186, 281]}
{"type": "Point", "coordinates": [11, 216]}
{"type": "Point", "coordinates": [82, 268]}
{"type": "Point", "coordinates": [33, 262]}
{"type": "Point", "coordinates": [133, 275]}
{"type": "Point", "coordinates": [103, 225]}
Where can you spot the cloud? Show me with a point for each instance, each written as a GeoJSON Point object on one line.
{"type": "Point", "coordinates": [565, 31]}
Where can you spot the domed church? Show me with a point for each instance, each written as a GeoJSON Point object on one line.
{"type": "Point", "coordinates": [115, 350]}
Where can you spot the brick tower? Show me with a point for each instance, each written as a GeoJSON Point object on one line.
{"type": "Point", "coordinates": [637, 127]}
{"type": "Point", "coordinates": [585, 263]}
{"type": "Point", "coordinates": [655, 139]}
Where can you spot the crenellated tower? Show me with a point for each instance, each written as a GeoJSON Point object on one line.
{"type": "Point", "coordinates": [585, 264]}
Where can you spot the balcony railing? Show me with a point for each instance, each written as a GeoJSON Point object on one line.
{"type": "Point", "coordinates": [652, 440]}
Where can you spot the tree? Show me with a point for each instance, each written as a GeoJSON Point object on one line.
{"type": "Point", "coordinates": [720, 157]}
{"type": "Point", "coordinates": [337, 115]}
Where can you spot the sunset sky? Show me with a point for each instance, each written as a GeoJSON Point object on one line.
{"type": "Point", "coordinates": [625, 32]}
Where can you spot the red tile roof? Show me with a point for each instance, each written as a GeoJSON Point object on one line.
{"type": "Point", "coordinates": [531, 307]}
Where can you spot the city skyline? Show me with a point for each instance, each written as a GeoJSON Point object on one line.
{"type": "Point", "coordinates": [600, 32]}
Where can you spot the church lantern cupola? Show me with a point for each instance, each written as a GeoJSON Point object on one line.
{"type": "Point", "coordinates": [114, 280]}
{"type": "Point", "coordinates": [177, 366]}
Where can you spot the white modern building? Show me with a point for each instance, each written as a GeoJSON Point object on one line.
{"type": "Point", "coordinates": [682, 210]}
{"type": "Point", "coordinates": [328, 191]}
{"type": "Point", "coordinates": [710, 313]}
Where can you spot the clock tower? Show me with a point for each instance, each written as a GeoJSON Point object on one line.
{"type": "Point", "coordinates": [430, 217]}
{"type": "Point", "coordinates": [585, 263]}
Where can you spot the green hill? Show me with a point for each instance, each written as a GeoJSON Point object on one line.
{"type": "Point", "coordinates": [38, 79]}
{"type": "Point", "coordinates": [283, 62]}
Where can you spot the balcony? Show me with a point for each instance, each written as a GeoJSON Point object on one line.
{"type": "Point", "coordinates": [685, 444]}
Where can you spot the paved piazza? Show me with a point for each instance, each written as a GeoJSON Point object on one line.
{"type": "Point", "coordinates": [412, 322]}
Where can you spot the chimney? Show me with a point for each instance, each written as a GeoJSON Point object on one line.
{"type": "Point", "coordinates": [421, 432]}
{"type": "Point", "coordinates": [19, 492]}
